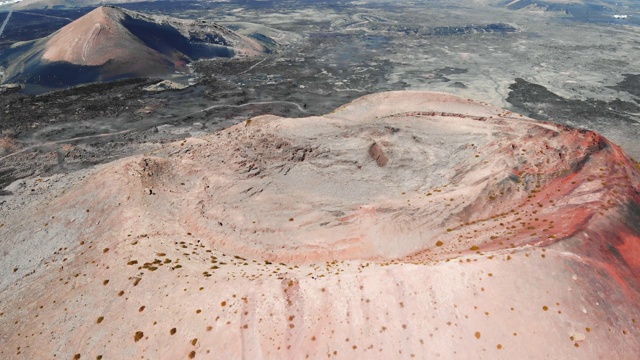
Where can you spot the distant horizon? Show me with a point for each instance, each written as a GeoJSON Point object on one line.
{"type": "Point", "coordinates": [7, 2]}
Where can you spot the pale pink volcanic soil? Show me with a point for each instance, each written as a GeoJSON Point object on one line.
{"type": "Point", "coordinates": [96, 38]}
{"type": "Point", "coordinates": [100, 38]}
{"type": "Point", "coordinates": [402, 225]}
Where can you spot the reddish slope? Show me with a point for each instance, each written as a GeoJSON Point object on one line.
{"type": "Point", "coordinates": [403, 225]}
{"type": "Point", "coordinates": [110, 43]}
{"type": "Point", "coordinates": [99, 37]}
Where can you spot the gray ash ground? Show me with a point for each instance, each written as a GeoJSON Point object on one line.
{"type": "Point", "coordinates": [34, 24]}
{"type": "Point", "coordinates": [606, 117]}
{"type": "Point", "coordinates": [70, 129]}
{"type": "Point", "coordinates": [332, 53]}
{"type": "Point", "coordinates": [630, 84]}
{"type": "Point", "coordinates": [542, 104]}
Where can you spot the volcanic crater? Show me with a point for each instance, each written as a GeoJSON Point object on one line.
{"type": "Point", "coordinates": [409, 223]}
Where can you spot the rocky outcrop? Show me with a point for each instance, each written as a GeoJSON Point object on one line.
{"type": "Point", "coordinates": [404, 224]}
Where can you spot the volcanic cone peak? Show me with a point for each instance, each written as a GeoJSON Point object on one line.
{"type": "Point", "coordinates": [110, 43]}
{"type": "Point", "coordinates": [109, 32]}
{"type": "Point", "coordinates": [389, 176]}
{"type": "Point", "coordinates": [419, 216]}
{"type": "Point", "coordinates": [94, 39]}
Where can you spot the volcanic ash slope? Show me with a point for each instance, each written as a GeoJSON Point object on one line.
{"type": "Point", "coordinates": [111, 43]}
{"type": "Point", "coordinates": [404, 224]}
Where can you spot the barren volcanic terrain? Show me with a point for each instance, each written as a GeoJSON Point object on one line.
{"type": "Point", "coordinates": [402, 225]}
{"type": "Point", "coordinates": [111, 43]}
{"type": "Point", "coordinates": [34, 4]}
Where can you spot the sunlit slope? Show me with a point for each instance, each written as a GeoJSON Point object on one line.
{"type": "Point", "coordinates": [111, 43]}
{"type": "Point", "coordinates": [402, 225]}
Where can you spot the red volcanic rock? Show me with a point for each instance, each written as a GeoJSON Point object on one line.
{"type": "Point", "coordinates": [404, 224]}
